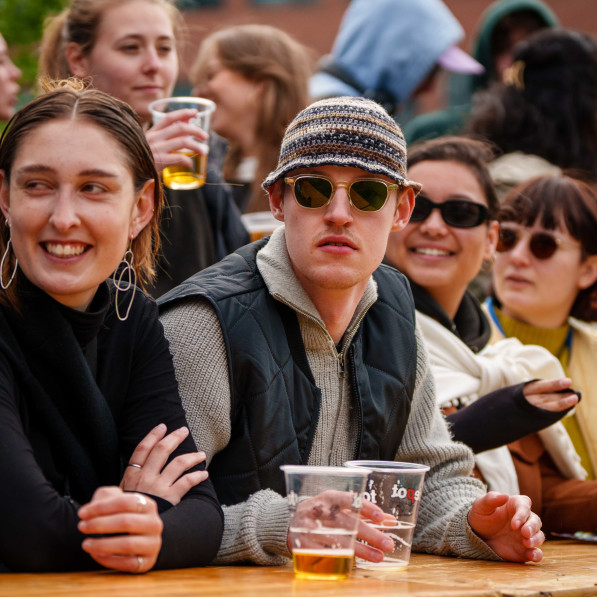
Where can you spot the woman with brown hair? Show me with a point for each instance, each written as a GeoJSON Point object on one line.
{"type": "Point", "coordinates": [545, 293]}
{"type": "Point", "coordinates": [95, 447]}
{"type": "Point", "coordinates": [257, 75]}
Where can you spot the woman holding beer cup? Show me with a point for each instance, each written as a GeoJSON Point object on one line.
{"type": "Point", "coordinates": [95, 448]}
{"type": "Point", "coordinates": [128, 48]}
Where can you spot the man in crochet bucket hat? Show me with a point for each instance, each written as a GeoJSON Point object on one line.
{"type": "Point", "coordinates": [301, 348]}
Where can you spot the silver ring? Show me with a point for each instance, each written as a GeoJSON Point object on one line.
{"type": "Point", "coordinates": [135, 465]}
{"type": "Point", "coordinates": [139, 563]}
{"type": "Point", "coordinates": [141, 502]}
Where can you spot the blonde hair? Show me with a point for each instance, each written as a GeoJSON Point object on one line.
{"type": "Point", "coordinates": [270, 56]}
{"type": "Point", "coordinates": [79, 23]}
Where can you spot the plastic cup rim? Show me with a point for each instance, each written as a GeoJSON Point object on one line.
{"type": "Point", "coordinates": [387, 466]}
{"type": "Point", "coordinates": [180, 99]}
{"type": "Point", "coordinates": [343, 471]}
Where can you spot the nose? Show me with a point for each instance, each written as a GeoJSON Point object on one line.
{"type": "Point", "coordinates": [152, 60]}
{"type": "Point", "coordinates": [520, 252]}
{"type": "Point", "coordinates": [15, 72]}
{"type": "Point", "coordinates": [339, 211]}
{"type": "Point", "coordinates": [64, 211]}
{"type": "Point", "coordinates": [434, 224]}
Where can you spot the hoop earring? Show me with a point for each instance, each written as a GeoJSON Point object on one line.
{"type": "Point", "coordinates": [487, 264]}
{"type": "Point", "coordinates": [14, 273]}
{"type": "Point", "coordinates": [125, 267]}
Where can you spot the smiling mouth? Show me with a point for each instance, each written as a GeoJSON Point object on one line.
{"type": "Point", "coordinates": [64, 251]}
{"type": "Point", "coordinates": [432, 252]}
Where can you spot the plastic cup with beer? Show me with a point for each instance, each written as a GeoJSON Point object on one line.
{"type": "Point", "coordinates": [259, 224]}
{"type": "Point", "coordinates": [323, 529]}
{"type": "Point", "coordinates": [396, 488]}
{"type": "Point", "coordinates": [177, 176]}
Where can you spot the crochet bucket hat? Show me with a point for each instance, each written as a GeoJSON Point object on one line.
{"type": "Point", "coordinates": [344, 131]}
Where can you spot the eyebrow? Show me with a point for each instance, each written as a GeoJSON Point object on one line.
{"type": "Point", "coordinates": [138, 37]}
{"type": "Point", "coordinates": [40, 168]}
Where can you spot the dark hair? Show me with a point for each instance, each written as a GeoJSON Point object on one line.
{"type": "Point", "coordinates": [268, 55]}
{"type": "Point", "coordinates": [525, 20]}
{"type": "Point", "coordinates": [550, 108]}
{"type": "Point", "coordinates": [565, 202]}
{"type": "Point", "coordinates": [472, 153]}
{"type": "Point", "coordinates": [71, 100]}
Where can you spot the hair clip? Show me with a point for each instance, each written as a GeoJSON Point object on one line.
{"type": "Point", "coordinates": [514, 75]}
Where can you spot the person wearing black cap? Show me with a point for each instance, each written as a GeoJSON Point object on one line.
{"type": "Point", "coordinates": [302, 349]}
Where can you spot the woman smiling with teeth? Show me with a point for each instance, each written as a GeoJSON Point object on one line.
{"type": "Point", "coordinates": [484, 390]}
{"type": "Point", "coordinates": [95, 449]}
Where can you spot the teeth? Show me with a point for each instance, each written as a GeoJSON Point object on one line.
{"type": "Point", "coordinates": [59, 250]}
{"type": "Point", "coordinates": [433, 252]}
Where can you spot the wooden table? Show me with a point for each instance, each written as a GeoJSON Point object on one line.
{"type": "Point", "coordinates": [568, 570]}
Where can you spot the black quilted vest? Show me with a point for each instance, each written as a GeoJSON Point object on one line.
{"type": "Point", "coordinates": [275, 402]}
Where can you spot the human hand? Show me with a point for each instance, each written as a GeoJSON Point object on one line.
{"type": "Point", "coordinates": [132, 525]}
{"type": "Point", "coordinates": [550, 394]}
{"type": "Point", "coordinates": [147, 470]}
{"type": "Point", "coordinates": [172, 134]}
{"type": "Point", "coordinates": [507, 524]}
{"type": "Point", "coordinates": [336, 507]}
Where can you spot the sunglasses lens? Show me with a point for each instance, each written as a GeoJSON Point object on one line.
{"type": "Point", "coordinates": [368, 195]}
{"type": "Point", "coordinates": [543, 246]}
{"type": "Point", "coordinates": [463, 214]}
{"type": "Point", "coordinates": [507, 240]}
{"type": "Point", "coordinates": [422, 209]}
{"type": "Point", "coordinates": [312, 191]}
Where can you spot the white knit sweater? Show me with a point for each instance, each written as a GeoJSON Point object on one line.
{"type": "Point", "coordinates": [256, 530]}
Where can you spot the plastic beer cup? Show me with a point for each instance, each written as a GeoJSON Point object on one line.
{"type": "Point", "coordinates": [396, 488]}
{"type": "Point", "coordinates": [181, 177]}
{"type": "Point", "coordinates": [323, 530]}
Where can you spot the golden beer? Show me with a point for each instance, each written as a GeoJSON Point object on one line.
{"type": "Point", "coordinates": [181, 178]}
{"type": "Point", "coordinates": [333, 564]}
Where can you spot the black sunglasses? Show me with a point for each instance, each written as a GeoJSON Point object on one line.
{"type": "Point", "coordinates": [364, 194]}
{"type": "Point", "coordinates": [457, 213]}
{"type": "Point", "coordinates": [541, 244]}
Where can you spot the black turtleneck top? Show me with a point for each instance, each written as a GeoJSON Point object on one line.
{"type": "Point", "coordinates": [78, 392]}
{"type": "Point", "coordinates": [500, 417]}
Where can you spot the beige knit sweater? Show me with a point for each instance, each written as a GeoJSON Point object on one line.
{"type": "Point", "coordinates": [256, 530]}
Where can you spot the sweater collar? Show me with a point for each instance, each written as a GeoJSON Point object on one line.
{"type": "Point", "coordinates": [275, 267]}
{"type": "Point", "coordinates": [469, 323]}
{"type": "Point", "coordinates": [85, 324]}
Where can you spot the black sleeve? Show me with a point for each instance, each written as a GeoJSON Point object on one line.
{"type": "Point", "coordinates": [228, 229]}
{"type": "Point", "coordinates": [498, 418]}
{"type": "Point", "coordinates": [192, 529]}
{"type": "Point", "coordinates": [39, 531]}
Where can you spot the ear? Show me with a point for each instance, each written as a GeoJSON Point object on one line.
{"type": "Point", "coordinates": [276, 200]}
{"type": "Point", "coordinates": [492, 239]}
{"type": "Point", "coordinates": [78, 64]}
{"type": "Point", "coordinates": [588, 272]}
{"type": "Point", "coordinates": [143, 209]}
{"type": "Point", "coordinates": [404, 208]}
{"type": "Point", "coordinates": [4, 196]}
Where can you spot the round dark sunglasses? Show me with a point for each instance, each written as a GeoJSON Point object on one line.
{"type": "Point", "coordinates": [364, 194]}
{"type": "Point", "coordinates": [541, 244]}
{"type": "Point", "coordinates": [456, 213]}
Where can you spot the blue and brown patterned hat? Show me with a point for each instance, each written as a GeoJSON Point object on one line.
{"type": "Point", "coordinates": [344, 131]}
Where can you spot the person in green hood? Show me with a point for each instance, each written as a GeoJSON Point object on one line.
{"type": "Point", "coordinates": [502, 25]}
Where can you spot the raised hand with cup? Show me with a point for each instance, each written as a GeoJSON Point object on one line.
{"type": "Point", "coordinates": [178, 139]}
